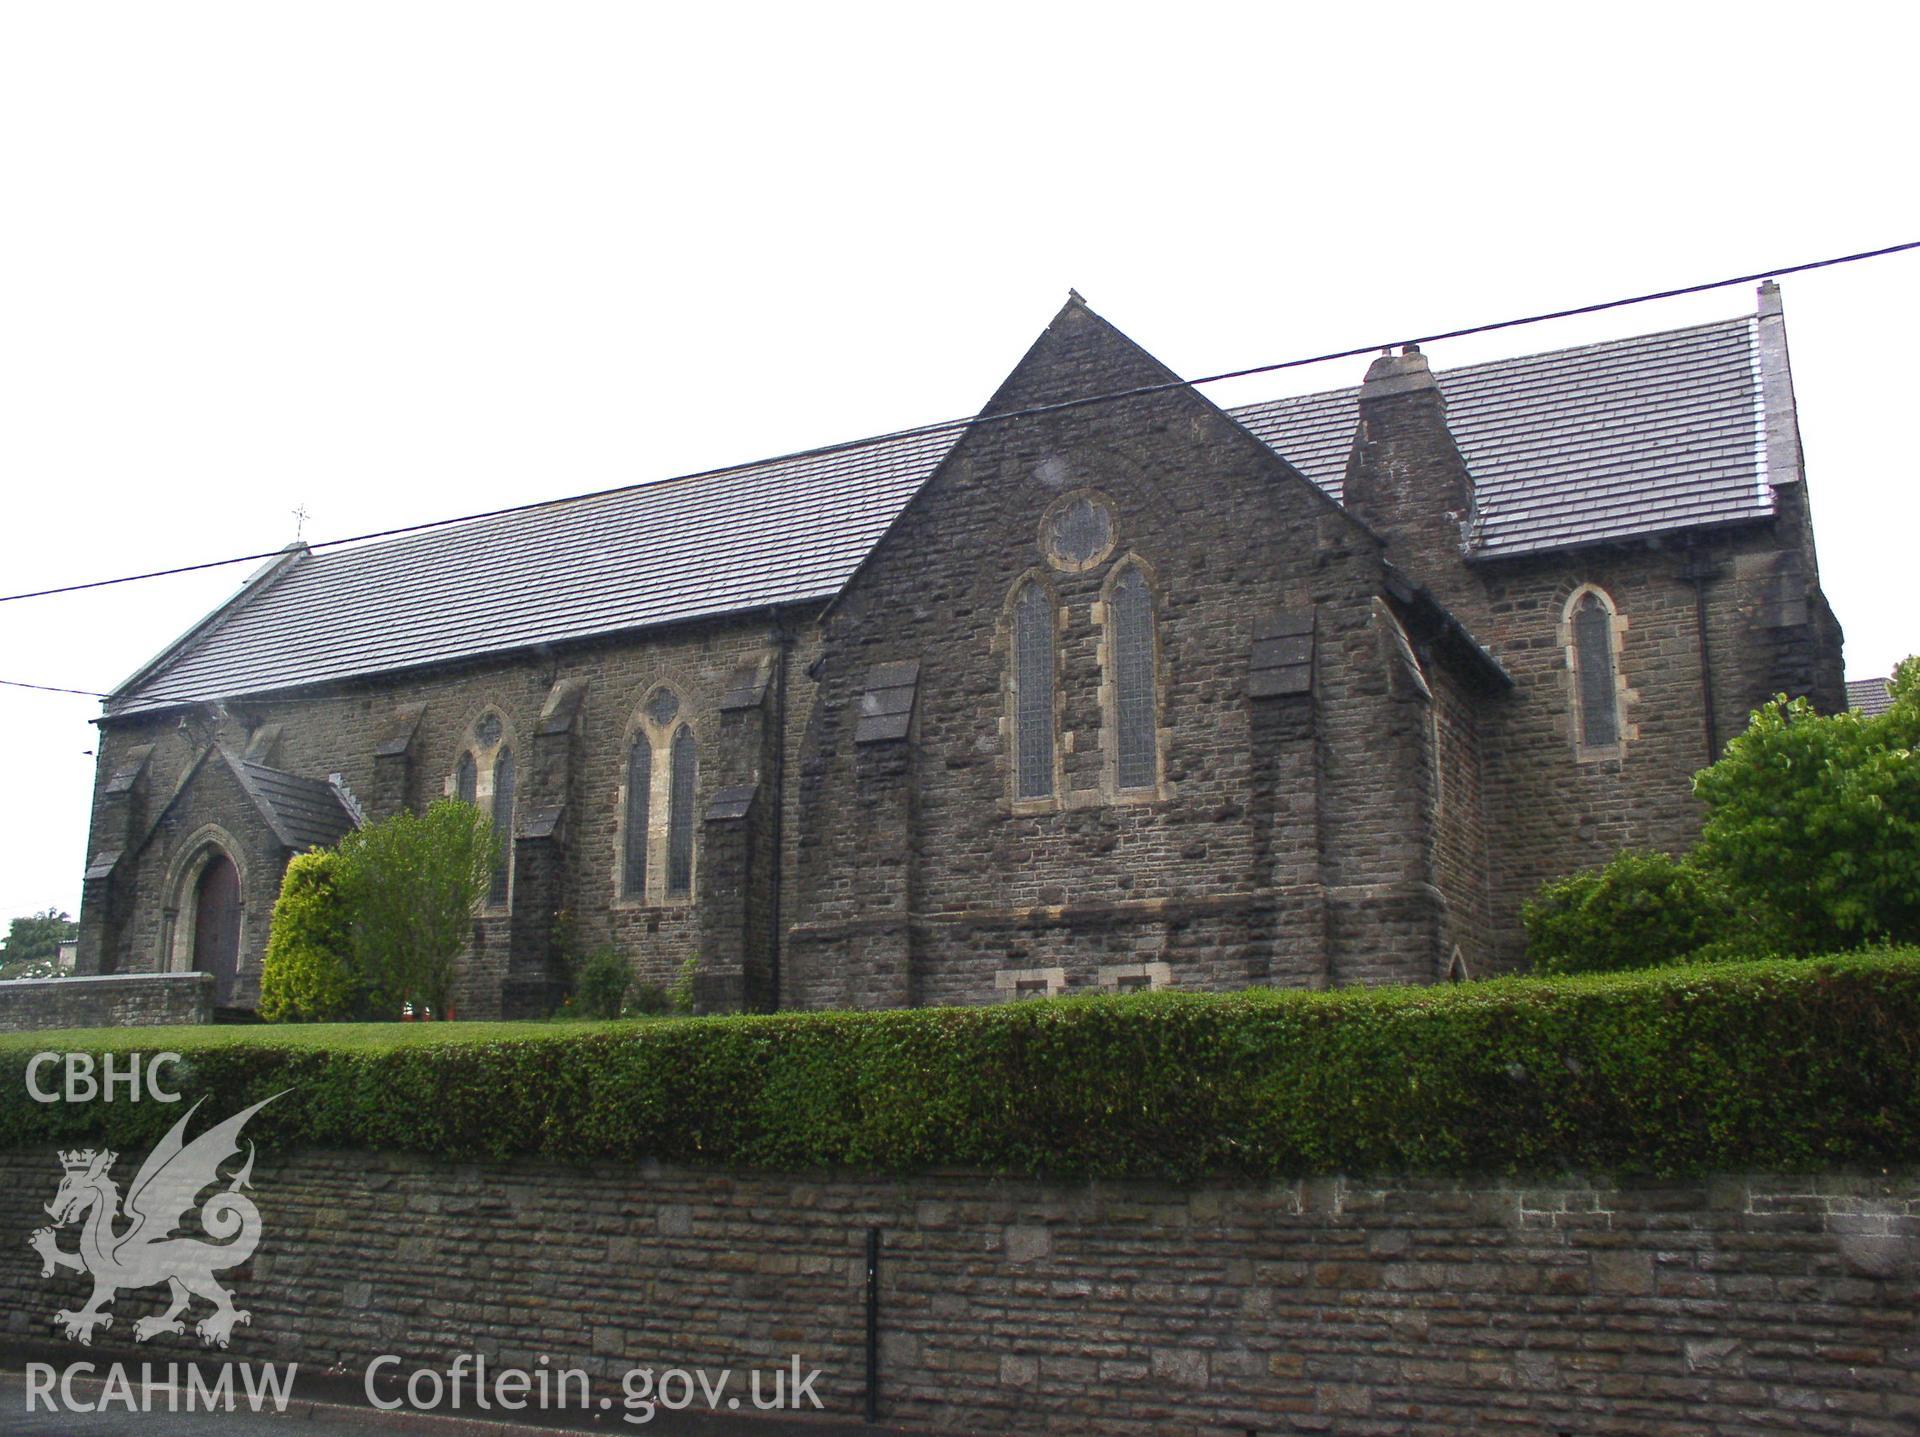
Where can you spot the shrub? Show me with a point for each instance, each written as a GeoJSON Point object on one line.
{"type": "Point", "coordinates": [411, 884]}
{"type": "Point", "coordinates": [1813, 821]}
{"type": "Point", "coordinates": [1781, 1066]}
{"type": "Point", "coordinates": [308, 974]}
{"type": "Point", "coordinates": [648, 1000]}
{"type": "Point", "coordinates": [1640, 911]}
{"type": "Point", "coordinates": [600, 984]}
{"type": "Point", "coordinates": [681, 990]}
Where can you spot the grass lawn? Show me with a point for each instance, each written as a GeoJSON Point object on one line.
{"type": "Point", "coordinates": [360, 1037]}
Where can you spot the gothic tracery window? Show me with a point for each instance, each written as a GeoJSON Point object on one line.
{"type": "Point", "coordinates": [1033, 666]}
{"type": "Point", "coordinates": [483, 777]}
{"type": "Point", "coordinates": [659, 824]}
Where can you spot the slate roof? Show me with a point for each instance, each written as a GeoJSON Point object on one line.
{"type": "Point", "coordinates": [1602, 442]}
{"type": "Point", "coordinates": [303, 812]}
{"type": "Point", "coordinates": [1579, 446]}
{"type": "Point", "coordinates": [1870, 696]}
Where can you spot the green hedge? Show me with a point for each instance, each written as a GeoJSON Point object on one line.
{"type": "Point", "coordinates": [1777, 1065]}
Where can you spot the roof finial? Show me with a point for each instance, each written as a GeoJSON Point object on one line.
{"type": "Point", "coordinates": [1075, 297]}
{"type": "Point", "coordinates": [300, 517]}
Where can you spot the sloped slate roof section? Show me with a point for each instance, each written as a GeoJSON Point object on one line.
{"type": "Point", "coordinates": [305, 812]}
{"type": "Point", "coordinates": [1579, 446]}
{"type": "Point", "coordinates": [786, 531]}
{"type": "Point", "coordinates": [1604, 442]}
{"type": "Point", "coordinates": [1870, 696]}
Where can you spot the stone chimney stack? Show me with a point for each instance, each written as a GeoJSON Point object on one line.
{"type": "Point", "coordinates": [1405, 477]}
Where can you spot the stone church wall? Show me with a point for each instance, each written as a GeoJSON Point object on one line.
{"type": "Point", "coordinates": [1389, 803]}
{"type": "Point", "coordinates": [928, 879]}
{"type": "Point", "coordinates": [339, 730]}
{"type": "Point", "coordinates": [1558, 812]}
{"type": "Point", "coordinates": [1420, 1307]}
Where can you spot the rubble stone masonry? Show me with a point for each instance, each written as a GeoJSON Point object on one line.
{"type": "Point", "coordinates": [1735, 1305]}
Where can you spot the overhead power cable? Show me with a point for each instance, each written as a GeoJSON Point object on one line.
{"type": "Point", "coordinates": [972, 421]}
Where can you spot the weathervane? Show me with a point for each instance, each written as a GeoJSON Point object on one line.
{"type": "Point", "coordinates": [300, 517]}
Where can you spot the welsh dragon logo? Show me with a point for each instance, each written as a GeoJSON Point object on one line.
{"type": "Point", "coordinates": [139, 1246]}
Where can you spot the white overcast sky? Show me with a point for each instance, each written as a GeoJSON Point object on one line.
{"type": "Point", "coordinates": [395, 261]}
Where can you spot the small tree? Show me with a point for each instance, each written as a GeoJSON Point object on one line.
{"type": "Point", "coordinates": [37, 937]}
{"type": "Point", "coordinates": [309, 974]}
{"type": "Point", "coordinates": [411, 884]}
{"type": "Point", "coordinates": [1814, 821]}
{"type": "Point", "coordinates": [600, 984]}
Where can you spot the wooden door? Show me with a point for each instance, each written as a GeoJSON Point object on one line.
{"type": "Point", "coordinates": [216, 926]}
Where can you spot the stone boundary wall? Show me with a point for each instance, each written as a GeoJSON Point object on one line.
{"type": "Point", "coordinates": [114, 1000]}
{"type": "Point", "coordinates": [1747, 1305]}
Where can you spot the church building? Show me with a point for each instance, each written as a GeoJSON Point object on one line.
{"type": "Point", "coordinates": [1108, 688]}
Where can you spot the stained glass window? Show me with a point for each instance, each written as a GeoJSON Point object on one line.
{"type": "Point", "coordinates": [1033, 679]}
{"type": "Point", "coordinates": [466, 779]}
{"type": "Point", "coordinates": [639, 795]}
{"type": "Point", "coordinates": [680, 815]}
{"type": "Point", "coordinates": [1130, 611]}
{"type": "Point", "coordinates": [487, 731]}
{"type": "Point", "coordinates": [1593, 655]}
{"type": "Point", "coordinates": [502, 824]}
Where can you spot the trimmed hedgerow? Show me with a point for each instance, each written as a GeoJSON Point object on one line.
{"type": "Point", "coordinates": [1775, 1065]}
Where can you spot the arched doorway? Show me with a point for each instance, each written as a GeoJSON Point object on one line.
{"type": "Point", "coordinates": [216, 925]}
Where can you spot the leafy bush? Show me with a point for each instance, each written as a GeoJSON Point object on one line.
{"type": "Point", "coordinates": [648, 1000]}
{"type": "Point", "coordinates": [1783, 1066]}
{"type": "Point", "coordinates": [600, 984]}
{"type": "Point", "coordinates": [1813, 821]}
{"type": "Point", "coordinates": [308, 974]}
{"type": "Point", "coordinates": [1641, 911]}
{"type": "Point", "coordinates": [680, 991]}
{"type": "Point", "coordinates": [411, 884]}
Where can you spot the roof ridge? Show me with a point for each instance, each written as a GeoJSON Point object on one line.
{"type": "Point", "coordinates": [1596, 419]}
{"type": "Point", "coordinates": [1484, 364]}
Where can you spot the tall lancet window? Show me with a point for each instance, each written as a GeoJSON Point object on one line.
{"type": "Point", "coordinates": [633, 883]}
{"type": "Point", "coordinates": [466, 780]}
{"type": "Point", "coordinates": [1033, 692]}
{"type": "Point", "coordinates": [1136, 728]}
{"type": "Point", "coordinates": [1594, 654]}
{"type": "Point", "coordinates": [502, 824]}
{"type": "Point", "coordinates": [686, 762]}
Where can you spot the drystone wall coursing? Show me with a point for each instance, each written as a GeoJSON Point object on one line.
{"type": "Point", "coordinates": [118, 1001]}
{"type": "Point", "coordinates": [1741, 1305]}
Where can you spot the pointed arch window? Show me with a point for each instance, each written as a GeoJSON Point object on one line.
{"type": "Point", "coordinates": [658, 830]}
{"type": "Point", "coordinates": [1136, 725]}
{"type": "Point", "coordinates": [466, 779]}
{"type": "Point", "coordinates": [1593, 653]}
{"type": "Point", "coordinates": [1033, 667]}
{"type": "Point", "coordinates": [639, 800]}
{"type": "Point", "coordinates": [685, 760]}
{"type": "Point", "coordinates": [502, 824]}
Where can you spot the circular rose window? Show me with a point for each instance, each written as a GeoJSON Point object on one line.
{"type": "Point", "coordinates": [1078, 533]}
